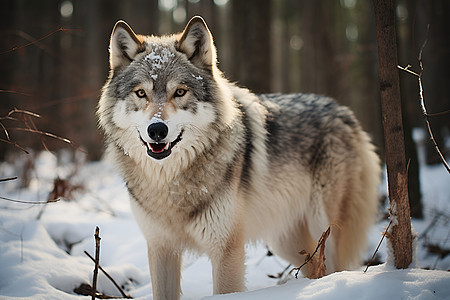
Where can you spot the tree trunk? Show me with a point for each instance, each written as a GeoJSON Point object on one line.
{"type": "Point", "coordinates": [400, 236]}
{"type": "Point", "coordinates": [251, 21]}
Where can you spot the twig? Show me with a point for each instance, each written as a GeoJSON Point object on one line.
{"type": "Point", "coordinates": [5, 131]}
{"type": "Point", "coordinates": [43, 133]}
{"type": "Point", "coordinates": [279, 275]}
{"type": "Point", "coordinates": [378, 247]}
{"type": "Point", "coordinates": [22, 111]}
{"type": "Point", "coordinates": [38, 40]}
{"type": "Point", "coordinates": [439, 113]}
{"type": "Point", "coordinates": [29, 202]}
{"type": "Point", "coordinates": [309, 257]}
{"type": "Point", "coordinates": [30, 126]}
{"type": "Point", "coordinates": [97, 258]}
{"type": "Point", "coordinates": [13, 143]}
{"type": "Point", "coordinates": [422, 100]}
{"type": "Point", "coordinates": [15, 92]}
{"type": "Point", "coordinates": [109, 277]}
{"type": "Point", "coordinates": [8, 179]}
{"type": "Point", "coordinates": [28, 120]}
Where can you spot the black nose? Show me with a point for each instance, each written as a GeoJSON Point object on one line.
{"type": "Point", "coordinates": [157, 131]}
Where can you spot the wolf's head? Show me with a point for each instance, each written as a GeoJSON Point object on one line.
{"type": "Point", "coordinates": [164, 94]}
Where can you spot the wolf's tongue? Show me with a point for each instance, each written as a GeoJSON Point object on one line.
{"type": "Point", "coordinates": [158, 148]}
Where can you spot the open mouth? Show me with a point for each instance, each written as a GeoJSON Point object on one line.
{"type": "Point", "coordinates": [161, 150]}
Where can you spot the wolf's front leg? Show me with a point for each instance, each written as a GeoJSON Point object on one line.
{"type": "Point", "coordinates": [165, 271]}
{"type": "Point", "coordinates": [228, 265]}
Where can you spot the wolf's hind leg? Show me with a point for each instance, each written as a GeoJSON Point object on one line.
{"type": "Point", "coordinates": [289, 245]}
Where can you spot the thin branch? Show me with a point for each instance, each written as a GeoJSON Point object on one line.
{"type": "Point", "coordinates": [5, 131]}
{"type": "Point", "coordinates": [8, 179]}
{"type": "Point", "coordinates": [48, 134]}
{"type": "Point", "coordinates": [109, 277]}
{"type": "Point", "coordinates": [378, 247]}
{"type": "Point", "coordinates": [34, 127]}
{"type": "Point", "coordinates": [29, 126]}
{"type": "Point", "coordinates": [439, 113]}
{"type": "Point", "coordinates": [279, 275]}
{"type": "Point", "coordinates": [9, 116]}
{"type": "Point", "coordinates": [422, 99]}
{"type": "Point", "coordinates": [97, 259]}
{"type": "Point", "coordinates": [407, 69]}
{"type": "Point", "coordinates": [15, 92]}
{"type": "Point", "coordinates": [66, 31]}
{"type": "Point", "coordinates": [419, 58]}
{"type": "Point", "coordinates": [29, 202]}
{"type": "Point", "coordinates": [309, 257]}
{"type": "Point", "coordinates": [14, 144]}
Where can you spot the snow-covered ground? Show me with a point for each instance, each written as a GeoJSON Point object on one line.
{"type": "Point", "coordinates": [42, 246]}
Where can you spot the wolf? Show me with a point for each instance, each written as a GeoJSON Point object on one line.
{"type": "Point", "coordinates": [210, 166]}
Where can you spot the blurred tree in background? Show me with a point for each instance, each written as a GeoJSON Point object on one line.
{"type": "Point", "coordinates": [326, 47]}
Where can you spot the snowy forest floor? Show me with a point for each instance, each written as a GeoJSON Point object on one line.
{"type": "Point", "coordinates": [42, 245]}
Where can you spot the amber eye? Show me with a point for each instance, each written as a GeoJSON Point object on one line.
{"type": "Point", "coordinates": [180, 92]}
{"type": "Point", "coordinates": [140, 93]}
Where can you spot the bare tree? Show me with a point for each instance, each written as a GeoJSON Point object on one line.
{"type": "Point", "coordinates": [400, 236]}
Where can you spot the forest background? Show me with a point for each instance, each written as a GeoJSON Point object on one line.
{"type": "Point", "coordinates": [54, 60]}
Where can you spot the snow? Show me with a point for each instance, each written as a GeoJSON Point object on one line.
{"type": "Point", "coordinates": [198, 77]}
{"type": "Point", "coordinates": [159, 56]}
{"type": "Point", "coordinates": [377, 283]}
{"type": "Point", "coordinates": [42, 246]}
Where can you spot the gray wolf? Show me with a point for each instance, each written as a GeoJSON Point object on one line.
{"type": "Point", "coordinates": [210, 165]}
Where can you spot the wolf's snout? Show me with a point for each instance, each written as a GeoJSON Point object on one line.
{"type": "Point", "coordinates": [157, 131]}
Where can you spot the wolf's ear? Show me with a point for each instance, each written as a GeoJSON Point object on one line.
{"type": "Point", "coordinates": [123, 46]}
{"type": "Point", "coordinates": [197, 43]}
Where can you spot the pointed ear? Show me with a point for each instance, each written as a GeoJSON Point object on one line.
{"type": "Point", "coordinates": [197, 43]}
{"type": "Point", "coordinates": [123, 46]}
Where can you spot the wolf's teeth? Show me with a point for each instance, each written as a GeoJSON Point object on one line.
{"type": "Point", "coordinates": [167, 146]}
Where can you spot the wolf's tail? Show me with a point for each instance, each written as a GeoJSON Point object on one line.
{"type": "Point", "coordinates": [362, 197]}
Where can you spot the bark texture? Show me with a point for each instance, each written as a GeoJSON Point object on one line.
{"type": "Point", "coordinates": [400, 235]}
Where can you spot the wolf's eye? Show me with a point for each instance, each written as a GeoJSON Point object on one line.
{"type": "Point", "coordinates": [180, 92]}
{"type": "Point", "coordinates": [140, 93]}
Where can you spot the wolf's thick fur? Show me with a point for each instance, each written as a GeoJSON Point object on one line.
{"type": "Point", "coordinates": [209, 165]}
